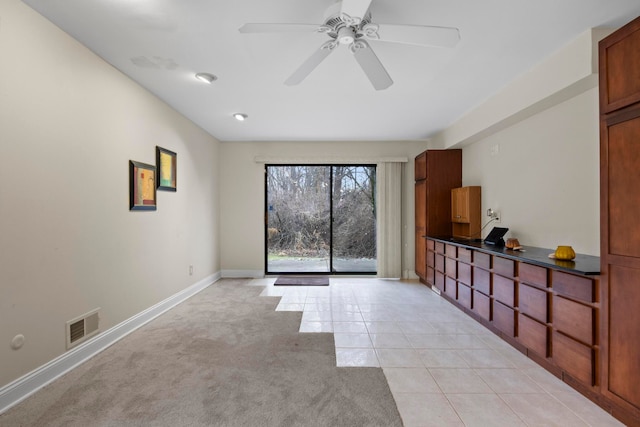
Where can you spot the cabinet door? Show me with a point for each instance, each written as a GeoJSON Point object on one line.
{"type": "Point", "coordinates": [420, 165]}
{"type": "Point", "coordinates": [444, 172]}
{"type": "Point", "coordinates": [460, 205]}
{"type": "Point", "coordinates": [624, 330]}
{"type": "Point", "coordinates": [622, 145]}
{"type": "Point", "coordinates": [620, 70]}
{"type": "Point", "coordinates": [421, 230]}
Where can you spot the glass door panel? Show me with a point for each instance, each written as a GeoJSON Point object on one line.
{"type": "Point", "coordinates": [298, 219]}
{"type": "Point", "coordinates": [354, 219]}
{"type": "Point", "coordinates": [320, 219]}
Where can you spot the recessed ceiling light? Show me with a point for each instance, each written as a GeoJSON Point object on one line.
{"type": "Point", "coordinates": [206, 77]}
{"type": "Point", "coordinates": [240, 116]}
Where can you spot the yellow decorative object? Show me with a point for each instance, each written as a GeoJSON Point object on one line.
{"type": "Point", "coordinates": [565, 253]}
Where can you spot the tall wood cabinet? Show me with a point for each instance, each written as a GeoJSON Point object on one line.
{"type": "Point", "coordinates": [619, 213]}
{"type": "Point", "coordinates": [436, 173]}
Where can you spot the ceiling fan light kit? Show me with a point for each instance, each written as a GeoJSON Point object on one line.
{"type": "Point", "coordinates": [206, 77]}
{"type": "Point", "coordinates": [348, 22]}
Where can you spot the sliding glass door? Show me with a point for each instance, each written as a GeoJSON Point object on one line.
{"type": "Point", "coordinates": [320, 219]}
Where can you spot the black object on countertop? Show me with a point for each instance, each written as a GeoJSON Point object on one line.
{"type": "Point", "coordinates": [496, 235]}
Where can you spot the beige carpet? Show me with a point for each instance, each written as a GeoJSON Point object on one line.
{"type": "Point", "coordinates": [222, 358]}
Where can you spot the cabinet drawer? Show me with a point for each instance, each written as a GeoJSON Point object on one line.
{"type": "Point", "coordinates": [431, 274]}
{"type": "Point", "coordinates": [431, 259]}
{"type": "Point", "coordinates": [482, 305]}
{"type": "Point", "coordinates": [464, 273]}
{"type": "Point", "coordinates": [503, 266]}
{"type": "Point", "coordinates": [440, 247]}
{"type": "Point", "coordinates": [464, 255]}
{"type": "Point", "coordinates": [504, 290]}
{"type": "Point", "coordinates": [573, 319]}
{"type": "Point", "coordinates": [451, 267]}
{"type": "Point", "coordinates": [451, 287]}
{"type": "Point", "coordinates": [451, 251]}
{"type": "Point", "coordinates": [482, 260]}
{"type": "Point", "coordinates": [575, 358]}
{"type": "Point", "coordinates": [572, 286]}
{"type": "Point", "coordinates": [440, 281]}
{"type": "Point", "coordinates": [464, 295]}
{"type": "Point", "coordinates": [431, 245]}
{"type": "Point", "coordinates": [533, 302]}
{"type": "Point", "coordinates": [533, 275]}
{"type": "Point", "coordinates": [504, 318]}
{"type": "Point", "coordinates": [482, 280]}
{"type": "Point", "coordinates": [533, 335]}
{"type": "Point", "coordinates": [440, 262]}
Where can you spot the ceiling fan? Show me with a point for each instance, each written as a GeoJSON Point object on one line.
{"type": "Point", "coordinates": [348, 22]}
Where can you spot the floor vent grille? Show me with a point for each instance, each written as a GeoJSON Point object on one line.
{"type": "Point", "coordinates": [82, 328]}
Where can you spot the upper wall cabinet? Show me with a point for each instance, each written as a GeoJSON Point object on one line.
{"type": "Point", "coordinates": [465, 212]}
{"type": "Point", "coordinates": [620, 68]}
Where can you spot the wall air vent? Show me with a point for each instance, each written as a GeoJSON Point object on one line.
{"type": "Point", "coordinates": [82, 328]}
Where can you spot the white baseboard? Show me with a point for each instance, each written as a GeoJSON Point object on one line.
{"type": "Point", "coordinates": [25, 386]}
{"type": "Point", "coordinates": [252, 274]}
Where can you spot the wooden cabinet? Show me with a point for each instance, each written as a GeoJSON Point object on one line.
{"type": "Point", "coordinates": [421, 226]}
{"type": "Point", "coordinates": [619, 213]}
{"type": "Point", "coordinates": [465, 212]}
{"type": "Point", "coordinates": [436, 173]}
{"type": "Point", "coordinates": [549, 313]}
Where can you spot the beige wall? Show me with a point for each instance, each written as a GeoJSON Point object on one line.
{"type": "Point", "coordinates": [242, 196]}
{"type": "Point", "coordinates": [542, 174]}
{"type": "Point", "coordinates": [533, 147]}
{"type": "Point", "coordinates": [69, 124]}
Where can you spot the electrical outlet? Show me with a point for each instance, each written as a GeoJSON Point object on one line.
{"type": "Point", "coordinates": [191, 270]}
{"type": "Point", "coordinates": [494, 215]}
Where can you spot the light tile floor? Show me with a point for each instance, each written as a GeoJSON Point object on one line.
{"type": "Point", "coordinates": [443, 368]}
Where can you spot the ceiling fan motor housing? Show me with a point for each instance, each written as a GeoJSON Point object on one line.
{"type": "Point", "coordinates": [346, 35]}
{"type": "Point", "coordinates": [343, 28]}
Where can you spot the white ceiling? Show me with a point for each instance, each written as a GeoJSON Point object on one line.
{"type": "Point", "coordinates": [161, 44]}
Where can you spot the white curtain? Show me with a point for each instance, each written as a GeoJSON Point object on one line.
{"type": "Point", "coordinates": [389, 219]}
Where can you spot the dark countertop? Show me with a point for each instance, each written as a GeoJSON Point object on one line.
{"type": "Point", "coordinates": [583, 264]}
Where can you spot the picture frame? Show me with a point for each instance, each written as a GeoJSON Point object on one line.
{"type": "Point", "coordinates": [167, 164]}
{"type": "Point", "coordinates": [142, 186]}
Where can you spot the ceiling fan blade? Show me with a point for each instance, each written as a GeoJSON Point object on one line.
{"type": "Point", "coordinates": [311, 63]}
{"type": "Point", "coordinates": [278, 28]}
{"type": "Point", "coordinates": [418, 35]}
{"type": "Point", "coordinates": [355, 8]}
{"type": "Point", "coordinates": [371, 65]}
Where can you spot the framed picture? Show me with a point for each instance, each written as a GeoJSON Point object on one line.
{"type": "Point", "coordinates": [167, 164]}
{"type": "Point", "coordinates": [142, 186]}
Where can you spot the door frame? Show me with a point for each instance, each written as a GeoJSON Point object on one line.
{"type": "Point", "coordinates": [266, 221]}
